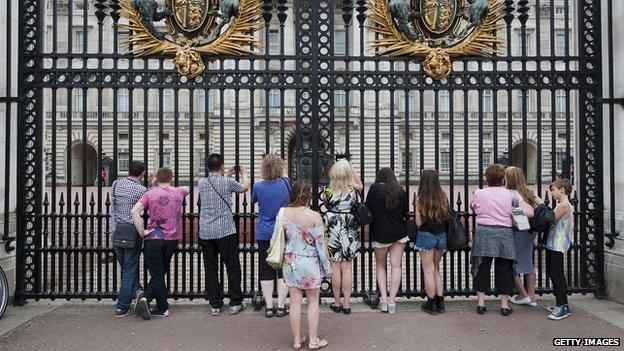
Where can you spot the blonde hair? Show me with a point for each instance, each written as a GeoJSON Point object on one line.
{"type": "Point", "coordinates": [272, 167]}
{"type": "Point", "coordinates": [341, 177]}
{"type": "Point", "coordinates": [515, 180]}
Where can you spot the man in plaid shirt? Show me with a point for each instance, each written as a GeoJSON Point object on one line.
{"type": "Point", "coordinates": [125, 193]}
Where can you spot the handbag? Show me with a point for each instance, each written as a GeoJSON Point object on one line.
{"type": "Point", "coordinates": [456, 237]}
{"type": "Point", "coordinates": [362, 212]}
{"type": "Point", "coordinates": [520, 219]}
{"type": "Point", "coordinates": [275, 257]}
{"type": "Point", "coordinates": [125, 235]}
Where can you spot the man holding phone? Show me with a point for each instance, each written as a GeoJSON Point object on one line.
{"type": "Point", "coordinates": [217, 231]}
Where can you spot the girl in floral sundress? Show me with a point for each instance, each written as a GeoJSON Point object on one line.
{"type": "Point", "coordinates": [342, 229]}
{"type": "Point", "coordinates": [306, 261]}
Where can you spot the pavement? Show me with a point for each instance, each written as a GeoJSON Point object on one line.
{"type": "Point", "coordinates": [77, 325]}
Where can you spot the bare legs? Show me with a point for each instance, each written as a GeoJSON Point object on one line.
{"type": "Point", "coordinates": [267, 292]}
{"type": "Point", "coordinates": [381, 255]}
{"type": "Point", "coordinates": [336, 281]}
{"type": "Point", "coordinates": [341, 282]}
{"type": "Point", "coordinates": [430, 261]}
{"type": "Point", "coordinates": [530, 288]}
{"type": "Point", "coordinates": [296, 298]}
{"type": "Point", "coordinates": [396, 256]}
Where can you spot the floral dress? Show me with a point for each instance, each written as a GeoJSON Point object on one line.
{"type": "Point", "coordinates": [342, 229]}
{"type": "Point", "coordinates": [306, 261]}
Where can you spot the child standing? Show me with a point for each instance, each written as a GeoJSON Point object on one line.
{"type": "Point", "coordinates": [558, 243]}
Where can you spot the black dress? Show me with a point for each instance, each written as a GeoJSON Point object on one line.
{"type": "Point", "coordinates": [388, 223]}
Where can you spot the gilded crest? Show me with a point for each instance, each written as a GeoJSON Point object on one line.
{"type": "Point", "coordinates": [193, 29]}
{"type": "Point", "coordinates": [191, 15]}
{"type": "Point", "coordinates": [438, 15]}
{"type": "Point", "coordinates": [436, 30]}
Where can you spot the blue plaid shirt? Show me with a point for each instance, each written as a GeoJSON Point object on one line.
{"type": "Point", "coordinates": [125, 193]}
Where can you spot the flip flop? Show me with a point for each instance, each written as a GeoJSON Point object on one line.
{"type": "Point", "coordinates": [319, 345]}
{"type": "Point", "coordinates": [300, 344]}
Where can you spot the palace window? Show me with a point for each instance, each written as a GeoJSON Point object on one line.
{"type": "Point", "coordinates": [445, 161]}
{"type": "Point", "coordinates": [199, 101]}
{"type": "Point", "coordinates": [274, 42]}
{"type": "Point", "coordinates": [444, 102]}
{"type": "Point", "coordinates": [80, 42]}
{"type": "Point", "coordinates": [123, 162]}
{"type": "Point", "coordinates": [340, 98]}
{"type": "Point", "coordinates": [560, 44]}
{"type": "Point", "coordinates": [274, 98]}
{"type": "Point", "coordinates": [487, 101]}
{"type": "Point", "coordinates": [486, 159]}
{"type": "Point", "coordinates": [167, 105]}
{"type": "Point", "coordinates": [560, 101]}
{"type": "Point", "coordinates": [340, 42]}
{"type": "Point", "coordinates": [408, 159]}
{"type": "Point", "coordinates": [123, 99]}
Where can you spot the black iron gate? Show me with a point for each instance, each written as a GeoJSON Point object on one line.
{"type": "Point", "coordinates": [315, 91]}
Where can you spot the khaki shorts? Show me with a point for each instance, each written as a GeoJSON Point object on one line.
{"type": "Point", "coordinates": [378, 245]}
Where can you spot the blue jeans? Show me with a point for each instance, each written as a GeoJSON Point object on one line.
{"type": "Point", "coordinates": [427, 241]}
{"type": "Point", "coordinates": [129, 262]}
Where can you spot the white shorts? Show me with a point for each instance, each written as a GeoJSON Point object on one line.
{"type": "Point", "coordinates": [378, 245]}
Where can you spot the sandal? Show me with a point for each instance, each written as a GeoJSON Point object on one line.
{"type": "Point", "coordinates": [300, 344]}
{"type": "Point", "coordinates": [319, 345]}
{"type": "Point", "coordinates": [335, 308]}
{"type": "Point", "coordinates": [270, 312]}
{"type": "Point", "coordinates": [281, 312]}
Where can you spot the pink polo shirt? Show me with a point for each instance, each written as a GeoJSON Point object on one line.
{"type": "Point", "coordinates": [492, 206]}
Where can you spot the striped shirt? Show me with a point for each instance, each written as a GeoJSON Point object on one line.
{"type": "Point", "coordinates": [125, 193]}
{"type": "Point", "coordinates": [215, 217]}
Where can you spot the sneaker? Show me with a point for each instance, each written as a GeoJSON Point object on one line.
{"type": "Point", "coordinates": [559, 312]}
{"type": "Point", "coordinates": [391, 309]}
{"type": "Point", "coordinates": [122, 313]}
{"type": "Point", "coordinates": [383, 306]}
{"type": "Point", "coordinates": [215, 311]}
{"type": "Point", "coordinates": [237, 308]}
{"type": "Point", "coordinates": [533, 303]}
{"type": "Point", "coordinates": [550, 308]}
{"type": "Point", "coordinates": [516, 301]}
{"type": "Point", "coordinates": [139, 294]}
{"type": "Point", "coordinates": [157, 313]}
{"type": "Point", "coordinates": [142, 309]}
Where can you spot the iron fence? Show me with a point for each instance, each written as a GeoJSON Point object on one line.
{"type": "Point", "coordinates": [313, 92]}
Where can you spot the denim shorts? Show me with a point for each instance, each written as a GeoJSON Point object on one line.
{"type": "Point", "coordinates": [427, 241]}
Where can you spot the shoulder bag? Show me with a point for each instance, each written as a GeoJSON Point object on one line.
{"type": "Point", "coordinates": [520, 219]}
{"type": "Point", "coordinates": [125, 235]}
{"type": "Point", "coordinates": [361, 211]}
{"type": "Point", "coordinates": [275, 253]}
{"type": "Point", "coordinates": [456, 237]}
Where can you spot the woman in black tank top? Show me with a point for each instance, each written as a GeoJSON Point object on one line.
{"type": "Point", "coordinates": [431, 218]}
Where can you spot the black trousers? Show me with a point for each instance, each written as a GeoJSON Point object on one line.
{"type": "Point", "coordinates": [158, 255]}
{"type": "Point", "coordinates": [503, 275]}
{"type": "Point", "coordinates": [227, 247]}
{"type": "Point", "coordinates": [266, 272]}
{"type": "Point", "coordinates": [554, 270]}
